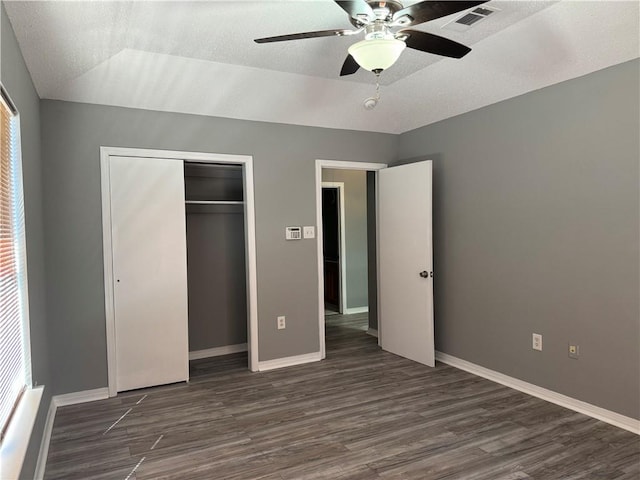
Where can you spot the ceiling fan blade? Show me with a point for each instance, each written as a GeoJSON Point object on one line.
{"type": "Point", "coordinates": [349, 67]}
{"type": "Point", "coordinates": [299, 36]}
{"type": "Point", "coordinates": [429, 43]}
{"type": "Point", "coordinates": [356, 9]}
{"type": "Point", "coordinates": [424, 11]}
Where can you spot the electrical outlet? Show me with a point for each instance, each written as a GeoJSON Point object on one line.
{"type": "Point", "coordinates": [537, 342]}
{"type": "Point", "coordinates": [574, 351]}
{"type": "Point", "coordinates": [282, 323]}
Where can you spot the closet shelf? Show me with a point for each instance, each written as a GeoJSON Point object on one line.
{"type": "Point", "coordinates": [214, 202]}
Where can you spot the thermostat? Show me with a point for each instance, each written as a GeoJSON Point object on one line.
{"type": "Point", "coordinates": [293, 233]}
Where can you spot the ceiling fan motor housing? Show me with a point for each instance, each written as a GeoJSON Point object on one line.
{"type": "Point", "coordinates": [377, 30]}
{"type": "Point", "coordinates": [385, 10]}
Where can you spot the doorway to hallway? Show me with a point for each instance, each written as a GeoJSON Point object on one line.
{"type": "Point", "coordinates": [349, 252]}
{"type": "Point", "coordinates": [333, 231]}
{"type": "Point", "coordinates": [401, 258]}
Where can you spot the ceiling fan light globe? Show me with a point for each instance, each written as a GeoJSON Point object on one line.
{"type": "Point", "coordinates": [377, 54]}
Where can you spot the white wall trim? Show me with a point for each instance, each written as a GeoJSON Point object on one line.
{"type": "Point", "coordinates": [377, 212]}
{"type": "Point", "coordinates": [289, 361]}
{"type": "Point", "coordinates": [250, 240]}
{"type": "Point", "coordinates": [251, 260]}
{"type": "Point", "coordinates": [343, 244]}
{"type": "Point", "coordinates": [373, 332]}
{"type": "Point", "coordinates": [217, 351]}
{"type": "Point", "coordinates": [579, 406]}
{"type": "Point", "coordinates": [84, 396]}
{"type": "Point", "coordinates": [354, 310]}
{"type": "Point", "coordinates": [338, 164]}
{"type": "Point", "coordinates": [41, 463]}
{"type": "Point", "coordinates": [107, 254]}
{"type": "Point", "coordinates": [72, 398]}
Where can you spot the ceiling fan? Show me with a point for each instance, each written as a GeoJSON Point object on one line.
{"type": "Point", "coordinates": [386, 35]}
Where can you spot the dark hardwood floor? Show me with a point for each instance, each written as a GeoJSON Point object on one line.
{"type": "Point", "coordinates": [361, 414]}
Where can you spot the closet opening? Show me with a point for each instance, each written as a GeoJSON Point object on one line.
{"type": "Point", "coordinates": [216, 259]}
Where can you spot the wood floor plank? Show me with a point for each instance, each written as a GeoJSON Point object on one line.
{"type": "Point", "coordinates": [361, 414]}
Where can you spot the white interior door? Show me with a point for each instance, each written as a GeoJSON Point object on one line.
{"type": "Point", "coordinates": [149, 271]}
{"type": "Point", "coordinates": [406, 261]}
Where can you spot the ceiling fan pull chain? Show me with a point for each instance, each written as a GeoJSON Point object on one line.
{"type": "Point", "coordinates": [371, 102]}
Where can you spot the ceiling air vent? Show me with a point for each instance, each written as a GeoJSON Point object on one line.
{"type": "Point", "coordinates": [485, 12]}
{"type": "Point", "coordinates": [466, 20]}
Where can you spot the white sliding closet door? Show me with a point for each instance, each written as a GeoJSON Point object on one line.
{"type": "Point", "coordinates": [149, 271]}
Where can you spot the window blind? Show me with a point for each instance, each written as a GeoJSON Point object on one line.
{"type": "Point", "coordinates": [14, 348]}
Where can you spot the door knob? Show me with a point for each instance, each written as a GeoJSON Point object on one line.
{"type": "Point", "coordinates": [424, 274]}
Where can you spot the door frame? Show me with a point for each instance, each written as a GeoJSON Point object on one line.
{"type": "Point", "coordinates": [250, 241]}
{"type": "Point", "coordinates": [342, 243]}
{"type": "Point", "coordinates": [341, 165]}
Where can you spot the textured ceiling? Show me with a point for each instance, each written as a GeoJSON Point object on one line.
{"type": "Point", "coordinates": [199, 57]}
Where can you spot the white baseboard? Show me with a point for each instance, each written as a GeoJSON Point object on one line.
{"type": "Point", "coordinates": [373, 332]}
{"type": "Point", "coordinates": [61, 401]}
{"type": "Point", "coordinates": [613, 418]}
{"type": "Point", "coordinates": [217, 351]}
{"type": "Point", "coordinates": [289, 361]}
{"type": "Point", "coordinates": [80, 397]}
{"type": "Point", "coordinates": [46, 440]}
{"type": "Point", "coordinates": [352, 311]}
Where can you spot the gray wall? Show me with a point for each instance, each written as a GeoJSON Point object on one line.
{"type": "Point", "coordinates": [17, 81]}
{"type": "Point", "coordinates": [216, 276]}
{"type": "Point", "coordinates": [355, 226]}
{"type": "Point", "coordinates": [536, 215]}
{"type": "Point", "coordinates": [284, 169]}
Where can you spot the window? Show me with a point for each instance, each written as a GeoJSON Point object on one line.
{"type": "Point", "coordinates": [15, 369]}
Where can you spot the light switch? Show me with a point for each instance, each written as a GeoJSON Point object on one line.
{"type": "Point", "coordinates": [309, 232]}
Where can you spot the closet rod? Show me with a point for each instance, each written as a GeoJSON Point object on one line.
{"type": "Point", "coordinates": [229, 166]}
{"type": "Point", "coordinates": [214, 202]}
